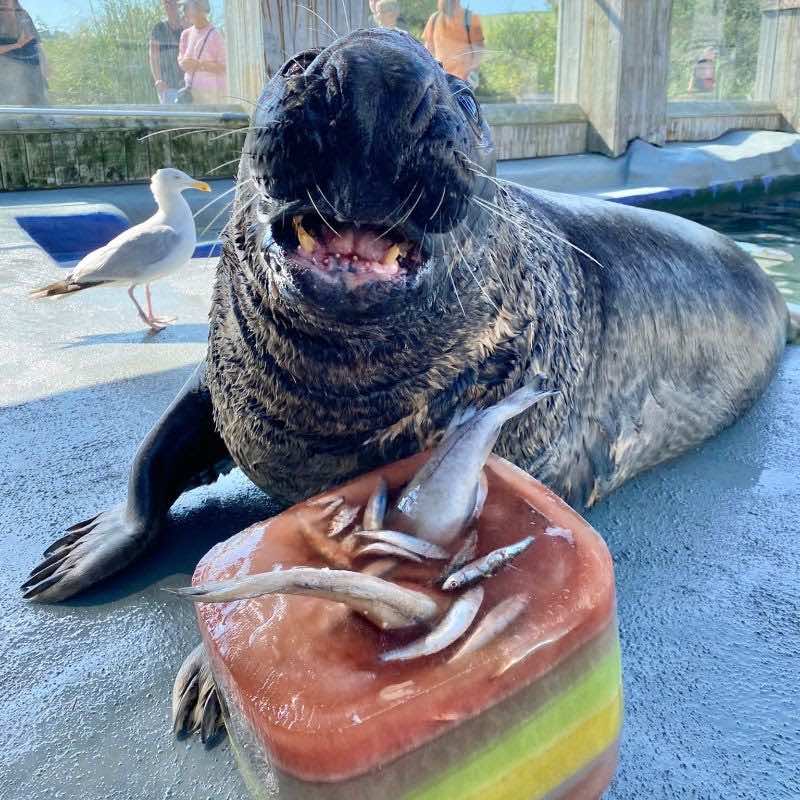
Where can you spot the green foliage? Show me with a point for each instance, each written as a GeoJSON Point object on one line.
{"type": "Point", "coordinates": [521, 57]}
{"type": "Point", "coordinates": [732, 26]}
{"type": "Point", "coordinates": [416, 14]}
{"type": "Point", "coordinates": [105, 61]}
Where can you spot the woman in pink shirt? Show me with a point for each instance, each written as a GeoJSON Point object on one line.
{"type": "Point", "coordinates": [201, 55]}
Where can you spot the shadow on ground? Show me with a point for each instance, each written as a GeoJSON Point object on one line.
{"type": "Point", "coordinates": [177, 333]}
{"type": "Point", "coordinates": [706, 554]}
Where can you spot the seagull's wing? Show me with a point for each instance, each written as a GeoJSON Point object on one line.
{"type": "Point", "coordinates": [129, 256]}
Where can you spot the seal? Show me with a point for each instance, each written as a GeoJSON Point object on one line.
{"type": "Point", "coordinates": [376, 278]}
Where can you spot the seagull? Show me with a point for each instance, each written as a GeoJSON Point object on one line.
{"type": "Point", "coordinates": [144, 253]}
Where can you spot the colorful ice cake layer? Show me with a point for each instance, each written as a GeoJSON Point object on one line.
{"type": "Point", "coordinates": [535, 713]}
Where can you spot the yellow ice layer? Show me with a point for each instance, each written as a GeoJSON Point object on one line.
{"type": "Point", "coordinates": [543, 752]}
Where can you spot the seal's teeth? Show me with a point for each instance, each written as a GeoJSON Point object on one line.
{"type": "Point", "coordinates": [306, 240]}
{"type": "Point", "coordinates": [391, 255]}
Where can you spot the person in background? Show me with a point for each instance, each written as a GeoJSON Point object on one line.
{"type": "Point", "coordinates": [201, 56]}
{"type": "Point", "coordinates": [704, 73]}
{"type": "Point", "coordinates": [164, 42]}
{"type": "Point", "coordinates": [453, 35]}
{"type": "Point", "coordinates": [22, 64]}
{"type": "Point", "coordinates": [387, 15]}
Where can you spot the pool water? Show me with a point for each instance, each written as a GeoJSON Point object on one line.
{"type": "Point", "coordinates": [772, 223]}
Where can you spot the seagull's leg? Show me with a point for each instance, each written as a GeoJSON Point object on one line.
{"type": "Point", "coordinates": [162, 321]}
{"type": "Point", "coordinates": [149, 300]}
{"type": "Point", "coordinates": [146, 318]}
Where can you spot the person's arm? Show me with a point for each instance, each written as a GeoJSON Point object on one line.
{"type": "Point", "coordinates": [478, 46]}
{"type": "Point", "coordinates": [184, 62]}
{"type": "Point", "coordinates": [23, 39]}
{"type": "Point", "coordinates": [427, 35]}
{"type": "Point", "coordinates": [155, 64]}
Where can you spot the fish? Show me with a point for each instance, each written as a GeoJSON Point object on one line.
{"type": "Point", "coordinates": [486, 565]}
{"type": "Point", "coordinates": [464, 555]}
{"type": "Point", "coordinates": [454, 624]}
{"type": "Point", "coordinates": [407, 542]}
{"type": "Point", "coordinates": [493, 624]}
{"type": "Point", "coordinates": [386, 549]}
{"type": "Point", "coordinates": [376, 507]}
{"type": "Point", "coordinates": [442, 497]}
{"type": "Point", "coordinates": [385, 604]}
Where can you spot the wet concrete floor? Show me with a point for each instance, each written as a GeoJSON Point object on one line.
{"type": "Point", "coordinates": [706, 548]}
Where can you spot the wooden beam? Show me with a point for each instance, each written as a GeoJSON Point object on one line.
{"type": "Point", "coordinates": [615, 65]}
{"type": "Point", "coordinates": [263, 34]}
{"type": "Point", "coordinates": [778, 68]}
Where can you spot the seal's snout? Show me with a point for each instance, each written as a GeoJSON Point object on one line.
{"type": "Point", "coordinates": [369, 157]}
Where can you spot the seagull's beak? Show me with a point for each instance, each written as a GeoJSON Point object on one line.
{"type": "Point", "coordinates": [201, 185]}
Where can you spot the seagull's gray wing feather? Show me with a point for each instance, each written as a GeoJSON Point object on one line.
{"type": "Point", "coordinates": [129, 256]}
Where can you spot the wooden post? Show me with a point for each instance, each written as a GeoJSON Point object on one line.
{"type": "Point", "coordinates": [614, 60]}
{"type": "Point", "coordinates": [571, 19]}
{"type": "Point", "coordinates": [263, 34]}
{"type": "Point", "coordinates": [245, 36]}
{"type": "Point", "coordinates": [778, 70]}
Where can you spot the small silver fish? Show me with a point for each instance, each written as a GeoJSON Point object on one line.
{"type": "Point", "coordinates": [385, 549]}
{"type": "Point", "coordinates": [486, 565]}
{"type": "Point", "coordinates": [441, 498]}
{"type": "Point", "coordinates": [376, 507]}
{"type": "Point", "coordinates": [453, 626]}
{"type": "Point", "coordinates": [464, 555]}
{"type": "Point", "coordinates": [407, 542]}
{"type": "Point", "coordinates": [493, 624]}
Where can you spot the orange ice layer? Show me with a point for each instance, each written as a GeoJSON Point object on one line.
{"type": "Point", "coordinates": [305, 673]}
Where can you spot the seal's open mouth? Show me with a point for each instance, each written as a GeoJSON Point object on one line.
{"type": "Point", "coordinates": [348, 253]}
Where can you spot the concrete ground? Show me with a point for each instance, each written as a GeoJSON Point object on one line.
{"type": "Point", "coordinates": [706, 548]}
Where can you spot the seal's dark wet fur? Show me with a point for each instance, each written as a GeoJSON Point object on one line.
{"type": "Point", "coordinates": [644, 350]}
{"type": "Point", "coordinates": [657, 340]}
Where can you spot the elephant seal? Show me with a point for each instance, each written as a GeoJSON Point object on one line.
{"type": "Point", "coordinates": [375, 277]}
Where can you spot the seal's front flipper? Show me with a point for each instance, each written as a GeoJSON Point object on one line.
{"type": "Point", "coordinates": [182, 451]}
{"type": "Point", "coordinates": [88, 553]}
{"type": "Point", "coordinates": [195, 702]}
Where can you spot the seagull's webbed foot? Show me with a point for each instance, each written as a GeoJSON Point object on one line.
{"type": "Point", "coordinates": [87, 553]}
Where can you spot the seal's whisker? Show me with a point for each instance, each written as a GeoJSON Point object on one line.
{"type": "Point", "coordinates": [224, 164]}
{"type": "Point", "coordinates": [245, 100]}
{"type": "Point", "coordinates": [406, 215]}
{"type": "Point", "coordinates": [478, 168]}
{"type": "Point", "coordinates": [215, 200]}
{"type": "Point", "coordinates": [237, 214]}
{"type": "Point", "coordinates": [231, 133]}
{"type": "Point", "coordinates": [323, 21]}
{"type": "Point", "coordinates": [455, 289]}
{"type": "Point", "coordinates": [346, 17]}
{"type": "Point", "coordinates": [474, 276]}
{"type": "Point", "coordinates": [322, 195]}
{"type": "Point", "coordinates": [190, 128]}
{"type": "Point", "coordinates": [439, 205]}
{"type": "Point", "coordinates": [508, 214]}
{"type": "Point", "coordinates": [399, 206]}
{"type": "Point", "coordinates": [321, 215]}
{"type": "Point", "coordinates": [227, 208]}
